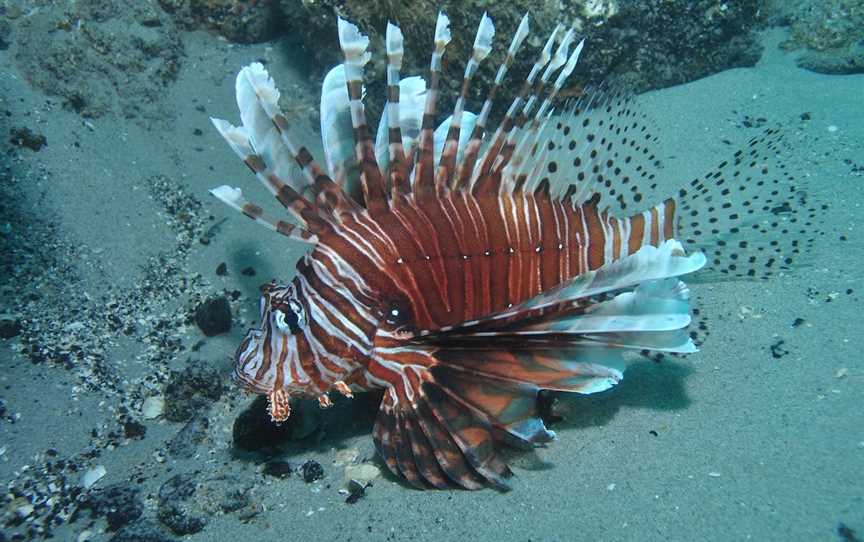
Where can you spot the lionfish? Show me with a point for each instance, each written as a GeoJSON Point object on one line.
{"type": "Point", "coordinates": [463, 269]}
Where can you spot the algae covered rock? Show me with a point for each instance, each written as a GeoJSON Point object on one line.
{"type": "Point", "coordinates": [829, 35]}
{"type": "Point", "coordinates": [646, 44]}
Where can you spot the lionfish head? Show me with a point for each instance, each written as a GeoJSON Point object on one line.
{"type": "Point", "coordinates": [266, 362]}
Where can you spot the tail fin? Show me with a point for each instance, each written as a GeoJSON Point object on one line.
{"type": "Point", "coordinates": [750, 216]}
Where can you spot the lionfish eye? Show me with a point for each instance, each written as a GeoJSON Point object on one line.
{"type": "Point", "coordinates": [288, 321]}
{"type": "Point", "coordinates": [397, 314]}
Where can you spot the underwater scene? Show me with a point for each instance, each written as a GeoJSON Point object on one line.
{"type": "Point", "coordinates": [422, 271]}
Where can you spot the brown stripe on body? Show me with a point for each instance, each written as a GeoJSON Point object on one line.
{"type": "Point", "coordinates": [637, 233]}
{"type": "Point", "coordinates": [655, 229]}
{"type": "Point", "coordinates": [669, 219]}
{"type": "Point", "coordinates": [616, 235]}
{"type": "Point", "coordinates": [595, 236]}
{"type": "Point", "coordinates": [498, 245]}
{"type": "Point", "coordinates": [451, 254]}
{"type": "Point", "coordinates": [428, 263]}
{"type": "Point", "coordinates": [551, 256]}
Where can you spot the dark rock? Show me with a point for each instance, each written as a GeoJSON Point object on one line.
{"type": "Point", "coordinates": [185, 443]}
{"type": "Point", "coordinates": [179, 521]}
{"type": "Point", "coordinates": [134, 430]}
{"type": "Point", "coordinates": [239, 21]}
{"type": "Point", "coordinates": [277, 469]}
{"type": "Point", "coordinates": [141, 531]}
{"type": "Point", "coordinates": [222, 269]}
{"type": "Point", "coordinates": [837, 62]}
{"type": "Point", "coordinates": [233, 500]}
{"type": "Point", "coordinates": [192, 390]}
{"type": "Point", "coordinates": [248, 271]}
{"type": "Point", "coordinates": [118, 503]}
{"type": "Point", "coordinates": [312, 470]}
{"type": "Point", "coordinates": [178, 488]}
{"type": "Point", "coordinates": [176, 504]}
{"type": "Point", "coordinates": [214, 316]}
{"type": "Point", "coordinates": [647, 45]}
{"type": "Point", "coordinates": [10, 326]}
{"type": "Point", "coordinates": [25, 137]}
{"type": "Point", "coordinates": [356, 491]}
{"type": "Point", "coordinates": [255, 431]}
{"type": "Point", "coordinates": [830, 33]}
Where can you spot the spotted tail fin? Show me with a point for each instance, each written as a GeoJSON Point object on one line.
{"type": "Point", "coordinates": [751, 215]}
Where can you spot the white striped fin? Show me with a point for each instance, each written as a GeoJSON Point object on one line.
{"type": "Point", "coordinates": [412, 99]}
{"type": "Point", "coordinates": [442, 32]}
{"type": "Point", "coordinates": [233, 197]}
{"type": "Point", "coordinates": [353, 43]}
{"type": "Point", "coordinates": [394, 43]}
{"type": "Point", "coordinates": [337, 134]}
{"type": "Point", "coordinates": [257, 99]}
{"type": "Point", "coordinates": [483, 40]}
{"type": "Point", "coordinates": [468, 120]}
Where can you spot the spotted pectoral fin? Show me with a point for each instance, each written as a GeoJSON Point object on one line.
{"type": "Point", "coordinates": [432, 440]}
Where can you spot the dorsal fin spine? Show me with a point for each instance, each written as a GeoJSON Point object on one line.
{"type": "Point", "coordinates": [354, 46]}
{"type": "Point", "coordinates": [482, 48]}
{"type": "Point", "coordinates": [399, 163]}
{"type": "Point", "coordinates": [507, 123]}
{"type": "Point", "coordinates": [424, 172]}
{"type": "Point", "coordinates": [466, 166]}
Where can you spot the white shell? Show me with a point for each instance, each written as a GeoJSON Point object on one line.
{"type": "Point", "coordinates": [153, 407]}
{"type": "Point", "coordinates": [89, 478]}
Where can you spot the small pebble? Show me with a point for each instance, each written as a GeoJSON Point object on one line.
{"type": "Point", "coordinates": [312, 470]}
{"type": "Point", "coordinates": [714, 474]}
{"type": "Point", "coordinates": [363, 473]}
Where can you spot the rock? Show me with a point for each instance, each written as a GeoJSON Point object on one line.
{"type": "Point", "coordinates": [829, 33]}
{"type": "Point", "coordinates": [176, 506]}
{"type": "Point", "coordinates": [185, 503]}
{"type": "Point", "coordinates": [133, 429]}
{"type": "Point", "coordinates": [10, 326]}
{"type": "Point", "coordinates": [838, 62]}
{"type": "Point", "coordinates": [214, 316]}
{"type": "Point", "coordinates": [312, 470]}
{"type": "Point", "coordinates": [239, 21]}
{"type": "Point", "coordinates": [118, 503]}
{"type": "Point", "coordinates": [192, 391]}
{"type": "Point", "coordinates": [184, 445]}
{"type": "Point", "coordinates": [24, 137]}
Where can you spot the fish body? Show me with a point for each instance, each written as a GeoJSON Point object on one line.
{"type": "Point", "coordinates": [477, 267]}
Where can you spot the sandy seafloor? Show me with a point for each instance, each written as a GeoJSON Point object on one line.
{"type": "Point", "coordinates": [732, 443]}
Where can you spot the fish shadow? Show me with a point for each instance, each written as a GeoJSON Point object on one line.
{"type": "Point", "coordinates": [654, 386]}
